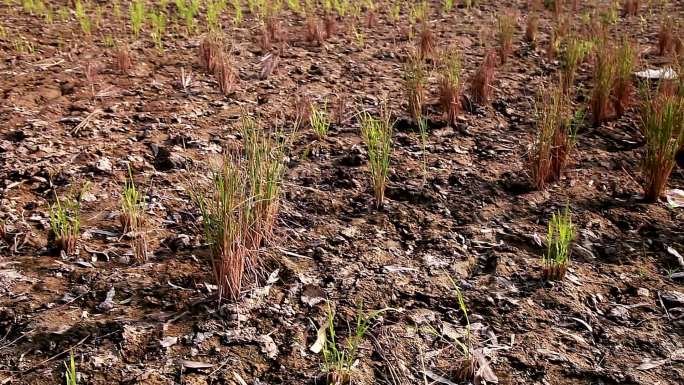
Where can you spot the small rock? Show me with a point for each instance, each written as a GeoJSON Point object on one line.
{"type": "Point", "coordinates": [643, 292]}
{"type": "Point", "coordinates": [673, 298]}
{"type": "Point", "coordinates": [104, 165]}
{"type": "Point", "coordinates": [619, 313]}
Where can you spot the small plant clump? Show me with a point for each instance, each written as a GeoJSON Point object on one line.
{"type": "Point", "coordinates": [320, 120]}
{"type": "Point", "coordinates": [338, 358]}
{"type": "Point", "coordinates": [415, 81]}
{"type": "Point", "coordinates": [313, 32]}
{"type": "Point", "coordinates": [137, 15]}
{"type": "Point", "coordinates": [604, 77]}
{"type": "Point", "coordinates": [132, 217]}
{"type": "Point", "coordinates": [123, 59]}
{"type": "Point", "coordinates": [215, 61]}
{"type": "Point", "coordinates": [481, 89]}
{"type": "Point", "coordinates": [630, 7]}
{"type": "Point", "coordinates": [531, 28]}
{"type": "Point", "coordinates": [555, 137]}
{"type": "Point", "coordinates": [225, 75]}
{"type": "Point", "coordinates": [450, 84]}
{"type": "Point", "coordinates": [83, 18]}
{"type": "Point", "coordinates": [467, 363]}
{"type": "Point", "coordinates": [666, 37]}
{"type": "Point", "coordinates": [662, 123]}
{"type": "Point", "coordinates": [70, 370]}
{"type": "Point", "coordinates": [65, 223]}
{"type": "Point", "coordinates": [427, 42]}
{"type": "Point", "coordinates": [559, 238]}
{"type": "Point", "coordinates": [187, 11]}
{"type": "Point", "coordinates": [377, 134]}
{"type": "Point", "coordinates": [158, 21]}
{"type": "Point", "coordinates": [505, 35]}
{"type": "Point", "coordinates": [623, 89]}
{"type": "Point", "coordinates": [574, 52]}
{"type": "Point", "coordinates": [210, 51]}
{"type": "Point", "coordinates": [240, 206]}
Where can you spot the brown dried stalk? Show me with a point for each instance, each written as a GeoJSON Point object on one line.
{"type": "Point", "coordinates": [427, 42]}
{"type": "Point", "coordinates": [481, 82]}
{"type": "Point", "coordinates": [123, 59]}
{"type": "Point", "coordinates": [313, 33]}
{"type": "Point", "coordinates": [531, 28]}
{"type": "Point", "coordinates": [630, 7]}
{"type": "Point", "coordinates": [209, 52]}
{"type": "Point", "coordinates": [225, 75]}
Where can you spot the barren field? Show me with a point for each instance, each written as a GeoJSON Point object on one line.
{"type": "Point", "coordinates": [447, 278]}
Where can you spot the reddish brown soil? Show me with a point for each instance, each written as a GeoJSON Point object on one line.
{"type": "Point", "coordinates": [612, 320]}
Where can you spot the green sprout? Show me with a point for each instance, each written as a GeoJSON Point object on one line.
{"type": "Point", "coordinates": [319, 120]}
{"type": "Point", "coordinates": [377, 134]}
{"type": "Point", "coordinates": [561, 233]}
{"type": "Point", "coordinates": [70, 373]}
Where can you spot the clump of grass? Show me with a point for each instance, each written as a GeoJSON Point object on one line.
{"type": "Point", "coordinates": [224, 215]}
{"type": "Point", "coordinates": [394, 12]}
{"type": "Point", "coordinates": [623, 89]}
{"type": "Point", "coordinates": [610, 14]}
{"type": "Point", "coordinates": [65, 222]}
{"type": "Point", "coordinates": [83, 18]}
{"type": "Point", "coordinates": [338, 358]}
{"type": "Point", "coordinates": [265, 40]}
{"type": "Point", "coordinates": [574, 52]}
{"type": "Point", "coordinates": [265, 168]}
{"type": "Point", "coordinates": [630, 7]}
{"type": "Point", "coordinates": [415, 81]}
{"type": "Point", "coordinates": [531, 28]}
{"type": "Point", "coordinates": [555, 136]}
{"type": "Point", "coordinates": [377, 134]}
{"type": "Point", "coordinates": [187, 11]}
{"type": "Point", "coordinates": [225, 75]}
{"type": "Point", "coordinates": [666, 36]}
{"type": "Point", "coordinates": [450, 84]}
{"type": "Point", "coordinates": [481, 89]}
{"type": "Point", "coordinates": [214, 9]}
{"type": "Point", "coordinates": [132, 205]}
{"type": "Point", "coordinates": [427, 42]}
{"type": "Point", "coordinates": [90, 72]}
{"type": "Point", "coordinates": [469, 3]}
{"type": "Point", "coordinates": [214, 60]}
{"type": "Point", "coordinates": [302, 109]}
{"type": "Point", "coordinates": [359, 37]}
{"type": "Point", "coordinates": [330, 26]}
{"type": "Point", "coordinates": [136, 11]}
{"type": "Point", "coordinates": [132, 217]}
{"type": "Point", "coordinates": [158, 21]}
{"type": "Point", "coordinates": [505, 33]}
{"type": "Point", "coordinates": [209, 52]}
{"type": "Point", "coordinates": [122, 59]}
{"type": "Point", "coordinates": [662, 123]}
{"type": "Point", "coordinates": [467, 364]}
{"type": "Point", "coordinates": [240, 207]}
{"type": "Point", "coordinates": [313, 32]}
{"type": "Point", "coordinates": [561, 233]}
{"type": "Point", "coordinates": [237, 8]}
{"type": "Point", "coordinates": [604, 77]}
{"type": "Point", "coordinates": [70, 370]}
{"type": "Point", "coordinates": [419, 12]}
{"type": "Point", "coordinates": [339, 108]}
{"type": "Point", "coordinates": [320, 120]}
{"type": "Point", "coordinates": [447, 5]}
